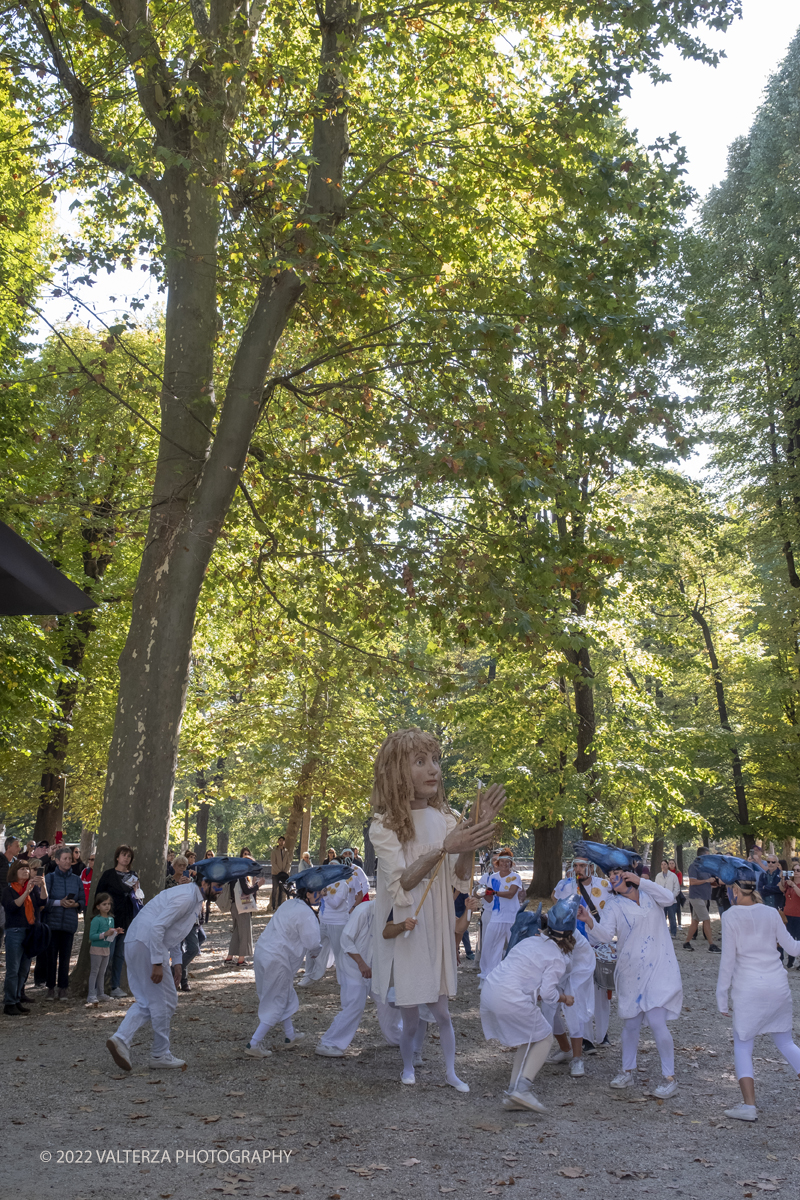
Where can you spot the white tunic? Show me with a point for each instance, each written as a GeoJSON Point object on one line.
{"type": "Point", "coordinates": [599, 891]}
{"type": "Point", "coordinates": [357, 939]}
{"type": "Point", "coordinates": [292, 931]}
{"type": "Point", "coordinates": [531, 971]}
{"type": "Point", "coordinates": [166, 921]}
{"type": "Point", "coordinates": [762, 1002]}
{"type": "Point", "coordinates": [422, 966]}
{"type": "Point", "coordinates": [647, 974]}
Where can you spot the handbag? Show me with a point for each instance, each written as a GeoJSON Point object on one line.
{"type": "Point", "coordinates": [244, 903]}
{"type": "Point", "coordinates": [224, 900]}
{"type": "Point", "coordinates": [36, 940]}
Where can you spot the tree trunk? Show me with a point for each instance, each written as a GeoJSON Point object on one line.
{"type": "Point", "coordinates": [679, 856]}
{"type": "Point", "coordinates": [315, 721]}
{"type": "Point", "coordinates": [223, 838]}
{"type": "Point", "coordinates": [305, 830]}
{"type": "Point", "coordinates": [657, 852]}
{"type": "Point", "coordinates": [323, 838]}
{"type": "Point", "coordinates": [548, 857]}
{"type": "Point", "coordinates": [724, 720]}
{"type": "Point", "coordinates": [789, 849]}
{"type": "Point", "coordinates": [370, 858]}
{"type": "Point", "coordinates": [50, 814]}
{"type": "Point", "coordinates": [87, 843]}
{"type": "Point", "coordinates": [201, 828]}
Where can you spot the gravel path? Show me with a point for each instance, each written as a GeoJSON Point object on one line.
{"type": "Point", "coordinates": [343, 1129]}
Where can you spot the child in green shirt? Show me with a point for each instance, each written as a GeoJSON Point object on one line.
{"type": "Point", "coordinates": [101, 933]}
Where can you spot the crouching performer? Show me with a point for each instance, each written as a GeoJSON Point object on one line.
{"type": "Point", "coordinates": [293, 931]}
{"type": "Point", "coordinates": [152, 940]}
{"type": "Point", "coordinates": [423, 851]}
{"type": "Point", "coordinates": [532, 969]}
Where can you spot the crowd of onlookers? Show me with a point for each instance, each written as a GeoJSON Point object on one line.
{"type": "Point", "coordinates": [45, 889]}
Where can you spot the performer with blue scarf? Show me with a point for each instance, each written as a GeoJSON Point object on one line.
{"type": "Point", "coordinates": [505, 885]}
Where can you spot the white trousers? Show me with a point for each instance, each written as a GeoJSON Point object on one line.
{"type": "Point", "coordinates": [342, 1029]}
{"type": "Point", "coordinates": [155, 1002]}
{"type": "Point", "coordinates": [494, 943]}
{"type": "Point", "coordinates": [602, 1015]}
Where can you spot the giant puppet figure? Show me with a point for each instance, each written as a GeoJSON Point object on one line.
{"type": "Point", "coordinates": [422, 850]}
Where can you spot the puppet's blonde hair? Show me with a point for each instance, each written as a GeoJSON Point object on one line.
{"type": "Point", "coordinates": [393, 790]}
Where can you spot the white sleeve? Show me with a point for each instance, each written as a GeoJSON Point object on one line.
{"type": "Point", "coordinates": [185, 903]}
{"type": "Point", "coordinates": [661, 895]}
{"type": "Point", "coordinates": [784, 938]}
{"type": "Point", "coordinates": [549, 990]}
{"type": "Point", "coordinates": [605, 929]}
{"type": "Point", "coordinates": [727, 962]}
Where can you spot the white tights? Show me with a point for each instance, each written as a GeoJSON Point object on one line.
{"type": "Point", "coordinates": [263, 1030]}
{"type": "Point", "coordinates": [743, 1054]}
{"type": "Point", "coordinates": [447, 1038]}
{"type": "Point", "coordinates": [657, 1020]}
{"type": "Point", "coordinates": [528, 1062]}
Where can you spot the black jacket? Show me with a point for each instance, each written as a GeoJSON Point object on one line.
{"type": "Point", "coordinates": [124, 908]}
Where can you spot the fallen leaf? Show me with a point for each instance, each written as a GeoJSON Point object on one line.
{"type": "Point", "coordinates": [209, 1120]}
{"type": "Point", "coordinates": [97, 1128]}
{"type": "Point", "coordinates": [21, 1058]}
{"type": "Point", "coordinates": [572, 1172]}
{"type": "Point", "coordinates": [85, 1108]}
{"type": "Point", "coordinates": [410, 1162]}
{"type": "Point", "coordinates": [489, 1126]}
{"type": "Point", "coordinates": [312, 1142]}
{"type": "Point", "coordinates": [239, 1115]}
{"type": "Point", "coordinates": [16, 1121]}
{"type": "Point", "coordinates": [234, 1093]}
{"type": "Point", "coordinates": [444, 1189]}
{"type": "Point", "coordinates": [139, 1116]}
{"type": "Point", "coordinates": [140, 1102]}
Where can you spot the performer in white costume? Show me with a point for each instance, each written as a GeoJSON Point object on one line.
{"type": "Point", "coordinates": [293, 930]}
{"type": "Point", "coordinates": [416, 840]}
{"type": "Point", "coordinates": [533, 969]}
{"type": "Point", "coordinates": [505, 884]}
{"type": "Point", "coordinates": [355, 973]}
{"type": "Point", "coordinates": [570, 1023]}
{"type": "Point", "coordinates": [594, 891]}
{"type": "Point", "coordinates": [751, 968]}
{"type": "Point", "coordinates": [647, 979]}
{"type": "Point", "coordinates": [152, 940]}
{"type": "Point", "coordinates": [486, 909]}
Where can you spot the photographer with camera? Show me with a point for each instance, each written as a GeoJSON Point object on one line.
{"type": "Point", "coordinates": [791, 910]}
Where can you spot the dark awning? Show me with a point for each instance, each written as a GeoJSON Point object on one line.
{"type": "Point", "coordinates": [30, 585]}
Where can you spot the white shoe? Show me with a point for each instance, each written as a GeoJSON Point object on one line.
{"type": "Point", "coordinates": [511, 1105]}
{"type": "Point", "coordinates": [119, 1051]}
{"type": "Point", "coordinates": [561, 1056]}
{"type": "Point", "coordinates": [576, 1068]}
{"type": "Point", "coordinates": [525, 1100]}
{"type": "Point", "coordinates": [304, 982]}
{"type": "Point", "coordinates": [666, 1089]}
{"type": "Point", "coordinates": [408, 1077]}
{"type": "Point", "coordinates": [118, 993]}
{"type": "Point", "coordinates": [256, 1051]}
{"type": "Point", "coordinates": [743, 1112]}
{"type": "Point", "coordinates": [329, 1051]}
{"type": "Point", "coordinates": [459, 1085]}
{"type": "Point", "coordinates": [91, 1004]}
{"type": "Point", "coordinates": [417, 1059]}
{"type": "Point", "coordinates": [625, 1079]}
{"type": "Point", "coordinates": [165, 1062]}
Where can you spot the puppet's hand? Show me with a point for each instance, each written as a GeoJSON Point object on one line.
{"type": "Point", "coordinates": [465, 839]}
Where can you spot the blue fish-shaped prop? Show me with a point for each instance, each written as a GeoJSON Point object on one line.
{"type": "Point", "coordinates": [314, 879]}
{"type": "Point", "coordinates": [608, 858]}
{"type": "Point", "coordinates": [726, 867]}
{"type": "Point", "coordinates": [526, 924]}
{"type": "Point", "coordinates": [563, 916]}
{"type": "Point", "coordinates": [225, 869]}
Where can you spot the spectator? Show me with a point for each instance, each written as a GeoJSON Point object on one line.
{"type": "Point", "coordinates": [29, 849]}
{"type": "Point", "coordinates": [101, 933]}
{"type": "Point", "coordinates": [331, 855]}
{"type": "Point", "coordinates": [280, 864]}
{"type": "Point", "coordinates": [460, 899]}
{"type": "Point", "coordinates": [170, 862]}
{"type": "Point", "coordinates": [77, 864]}
{"type": "Point", "coordinates": [21, 901]}
{"type": "Point", "coordinates": [756, 859]}
{"type": "Point", "coordinates": [42, 852]}
{"type": "Point", "coordinates": [119, 881]}
{"type": "Point", "coordinates": [244, 903]}
{"type": "Point", "coordinates": [65, 899]}
{"type": "Point", "coordinates": [791, 910]}
{"type": "Point", "coordinates": [191, 859]}
{"type": "Point", "coordinates": [10, 853]}
{"type": "Point", "coordinates": [305, 861]}
{"type": "Point", "coordinates": [673, 866]}
{"type": "Point", "coordinates": [771, 886]}
{"type": "Point", "coordinates": [190, 947]}
{"type": "Point", "coordinates": [86, 876]}
{"type": "Point", "coordinates": [357, 860]}
{"type": "Point", "coordinates": [669, 880]}
{"type": "Point", "coordinates": [699, 897]}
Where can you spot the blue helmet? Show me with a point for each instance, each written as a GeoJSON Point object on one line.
{"type": "Point", "coordinates": [609, 858]}
{"type": "Point", "coordinates": [726, 867]}
{"type": "Point", "coordinates": [563, 916]}
{"type": "Point", "coordinates": [314, 879]}
{"type": "Point", "coordinates": [526, 924]}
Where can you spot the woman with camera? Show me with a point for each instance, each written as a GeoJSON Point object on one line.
{"type": "Point", "coordinates": [22, 902]}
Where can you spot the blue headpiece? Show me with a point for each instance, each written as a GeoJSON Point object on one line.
{"type": "Point", "coordinates": [609, 858]}
{"type": "Point", "coordinates": [563, 916]}
{"type": "Point", "coordinates": [314, 879]}
{"type": "Point", "coordinates": [226, 870]}
{"type": "Point", "coordinates": [526, 924]}
{"type": "Point", "coordinates": [726, 867]}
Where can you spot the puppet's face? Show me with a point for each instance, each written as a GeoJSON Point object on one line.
{"type": "Point", "coordinates": [426, 773]}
